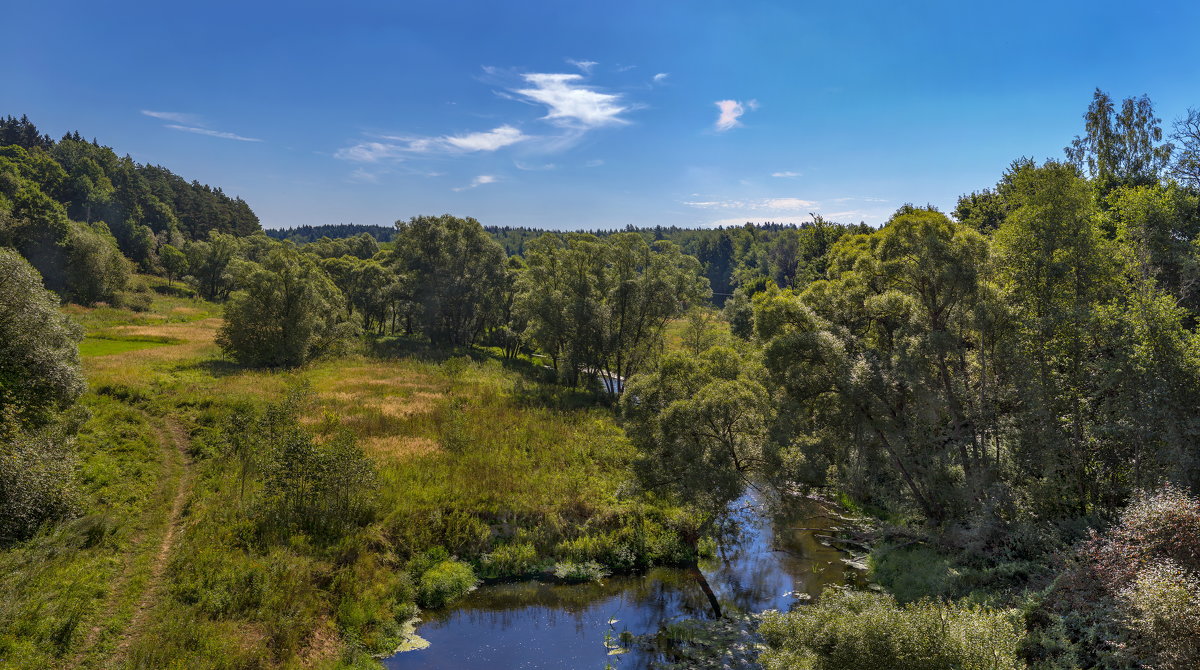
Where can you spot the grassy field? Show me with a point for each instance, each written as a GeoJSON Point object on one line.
{"type": "Point", "coordinates": [168, 567]}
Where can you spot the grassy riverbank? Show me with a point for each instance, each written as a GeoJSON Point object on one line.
{"type": "Point", "coordinates": [169, 565]}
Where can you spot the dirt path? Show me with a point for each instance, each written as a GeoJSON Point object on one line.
{"type": "Point", "coordinates": [177, 474]}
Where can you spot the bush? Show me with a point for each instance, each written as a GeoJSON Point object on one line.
{"type": "Point", "coordinates": [588, 571]}
{"type": "Point", "coordinates": [445, 582]}
{"type": "Point", "coordinates": [1164, 600]}
{"type": "Point", "coordinates": [853, 629]}
{"type": "Point", "coordinates": [39, 352]}
{"type": "Point", "coordinates": [1129, 595]}
{"type": "Point", "coordinates": [519, 559]}
{"type": "Point", "coordinates": [37, 482]}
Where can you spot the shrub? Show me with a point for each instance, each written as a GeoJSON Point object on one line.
{"type": "Point", "coordinates": [288, 312]}
{"type": "Point", "coordinates": [854, 629]}
{"type": "Point", "coordinates": [511, 560]}
{"type": "Point", "coordinates": [588, 571]}
{"type": "Point", "coordinates": [445, 582]}
{"type": "Point", "coordinates": [324, 490]}
{"type": "Point", "coordinates": [37, 482]}
{"type": "Point", "coordinates": [39, 353]}
{"type": "Point", "coordinates": [1127, 596]}
{"type": "Point", "coordinates": [1164, 600]}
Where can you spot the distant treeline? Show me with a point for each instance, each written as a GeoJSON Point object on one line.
{"type": "Point", "coordinates": [729, 256]}
{"type": "Point", "coordinates": [334, 231]}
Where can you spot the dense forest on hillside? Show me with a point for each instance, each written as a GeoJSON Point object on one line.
{"type": "Point", "coordinates": [320, 436]}
{"type": "Point", "coordinates": [85, 217]}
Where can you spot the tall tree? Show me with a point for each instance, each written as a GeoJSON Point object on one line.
{"type": "Point", "coordinates": [287, 312]}
{"type": "Point", "coordinates": [1120, 147]}
{"type": "Point", "coordinates": [456, 273]}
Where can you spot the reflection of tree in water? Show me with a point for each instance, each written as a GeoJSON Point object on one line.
{"type": "Point", "coordinates": [761, 561]}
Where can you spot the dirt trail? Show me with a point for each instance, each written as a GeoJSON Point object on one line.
{"type": "Point", "coordinates": [177, 473]}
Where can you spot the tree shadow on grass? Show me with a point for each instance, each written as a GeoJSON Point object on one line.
{"type": "Point", "coordinates": [217, 367]}
{"type": "Point", "coordinates": [537, 385]}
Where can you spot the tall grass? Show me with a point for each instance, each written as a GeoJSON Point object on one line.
{"type": "Point", "coordinates": [478, 464]}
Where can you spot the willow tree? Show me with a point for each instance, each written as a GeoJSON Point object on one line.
{"type": "Point", "coordinates": [287, 312]}
{"type": "Point", "coordinates": [599, 306]}
{"type": "Point", "coordinates": [884, 365]}
{"type": "Point", "coordinates": [455, 272]}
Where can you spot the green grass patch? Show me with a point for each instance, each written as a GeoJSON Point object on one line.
{"type": "Point", "coordinates": [105, 345]}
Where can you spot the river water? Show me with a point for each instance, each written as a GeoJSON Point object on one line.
{"type": "Point", "coordinates": [772, 561]}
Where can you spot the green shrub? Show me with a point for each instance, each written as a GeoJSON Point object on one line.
{"type": "Point", "coordinates": [1165, 601]}
{"type": "Point", "coordinates": [849, 630]}
{"type": "Point", "coordinates": [588, 571]}
{"type": "Point", "coordinates": [38, 482]}
{"type": "Point", "coordinates": [518, 559]}
{"type": "Point", "coordinates": [911, 573]}
{"type": "Point", "coordinates": [373, 603]}
{"type": "Point", "coordinates": [444, 582]}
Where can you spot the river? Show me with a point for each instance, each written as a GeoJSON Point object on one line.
{"type": "Point", "coordinates": [773, 560]}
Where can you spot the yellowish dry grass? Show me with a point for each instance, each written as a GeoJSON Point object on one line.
{"type": "Point", "coordinates": [399, 448]}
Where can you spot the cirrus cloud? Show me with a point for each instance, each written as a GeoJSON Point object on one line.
{"type": "Point", "coordinates": [398, 146]}
{"type": "Point", "coordinates": [191, 123]}
{"type": "Point", "coordinates": [572, 104]}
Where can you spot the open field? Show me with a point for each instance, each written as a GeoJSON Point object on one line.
{"type": "Point", "coordinates": [163, 568]}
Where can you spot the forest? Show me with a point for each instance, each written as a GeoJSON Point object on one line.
{"type": "Point", "coordinates": [234, 448]}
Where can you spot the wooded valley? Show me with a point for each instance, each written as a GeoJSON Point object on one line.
{"type": "Point", "coordinates": [229, 447]}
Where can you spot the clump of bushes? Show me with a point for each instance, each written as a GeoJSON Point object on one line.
{"type": "Point", "coordinates": [588, 571]}
{"type": "Point", "coordinates": [444, 582]}
{"type": "Point", "coordinates": [1129, 597]}
{"type": "Point", "coordinates": [848, 630]}
{"type": "Point", "coordinates": [38, 482]}
{"type": "Point", "coordinates": [519, 559]}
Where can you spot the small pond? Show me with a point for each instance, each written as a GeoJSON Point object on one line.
{"type": "Point", "coordinates": [772, 561]}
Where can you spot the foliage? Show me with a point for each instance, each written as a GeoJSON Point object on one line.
{"type": "Point", "coordinates": [444, 582]}
{"type": "Point", "coordinates": [37, 482]}
{"type": "Point", "coordinates": [849, 629]}
{"type": "Point", "coordinates": [701, 426]}
{"type": "Point", "coordinates": [588, 571]}
{"type": "Point", "coordinates": [599, 306]}
{"type": "Point", "coordinates": [285, 314]}
{"type": "Point", "coordinates": [455, 272]}
{"type": "Point", "coordinates": [1130, 594]}
{"type": "Point", "coordinates": [1120, 147]}
{"type": "Point", "coordinates": [39, 359]}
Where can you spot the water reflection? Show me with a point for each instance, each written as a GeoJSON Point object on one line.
{"type": "Point", "coordinates": [769, 559]}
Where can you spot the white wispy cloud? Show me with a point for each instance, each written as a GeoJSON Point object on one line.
{"type": "Point", "coordinates": [731, 112]}
{"type": "Point", "coordinates": [369, 152]}
{"type": "Point", "coordinates": [396, 147]}
{"type": "Point", "coordinates": [361, 175]}
{"type": "Point", "coordinates": [765, 204]}
{"type": "Point", "coordinates": [597, 162]}
{"type": "Point", "coordinates": [660, 77]}
{"type": "Point", "coordinates": [176, 117]}
{"type": "Point", "coordinates": [585, 65]}
{"type": "Point", "coordinates": [786, 174]}
{"type": "Point", "coordinates": [572, 104]}
{"type": "Point", "coordinates": [479, 181]}
{"type": "Point", "coordinates": [212, 133]}
{"type": "Point", "coordinates": [534, 168]}
{"type": "Point", "coordinates": [494, 139]}
{"type": "Point", "coordinates": [191, 123]}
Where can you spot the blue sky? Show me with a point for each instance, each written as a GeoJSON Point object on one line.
{"type": "Point", "coordinates": [571, 115]}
